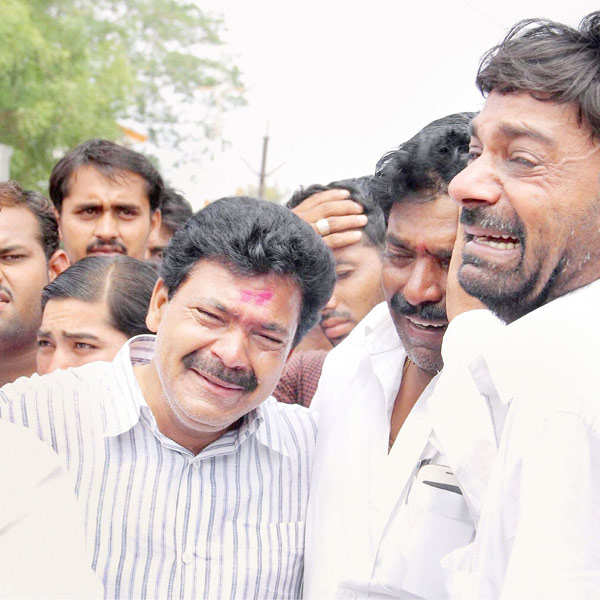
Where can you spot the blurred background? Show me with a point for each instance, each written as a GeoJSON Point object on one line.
{"type": "Point", "coordinates": [325, 87]}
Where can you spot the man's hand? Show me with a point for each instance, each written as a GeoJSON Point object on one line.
{"type": "Point", "coordinates": [334, 216]}
{"type": "Point", "coordinates": [457, 300]}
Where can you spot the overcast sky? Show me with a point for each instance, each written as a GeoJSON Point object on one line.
{"type": "Point", "coordinates": [341, 83]}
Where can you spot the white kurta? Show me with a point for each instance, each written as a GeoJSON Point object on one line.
{"type": "Point", "coordinates": [539, 531]}
{"type": "Point", "coordinates": [373, 529]}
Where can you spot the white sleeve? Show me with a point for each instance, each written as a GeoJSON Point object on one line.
{"type": "Point", "coordinates": [556, 548]}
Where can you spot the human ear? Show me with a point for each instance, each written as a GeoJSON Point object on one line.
{"type": "Point", "coordinates": [158, 304]}
{"type": "Point", "coordinates": [57, 263]}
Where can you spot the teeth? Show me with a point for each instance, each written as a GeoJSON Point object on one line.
{"type": "Point", "coordinates": [495, 244]}
{"type": "Point", "coordinates": [426, 324]}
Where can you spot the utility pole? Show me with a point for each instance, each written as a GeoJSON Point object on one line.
{"type": "Point", "coordinates": [263, 173]}
{"type": "Point", "coordinates": [263, 167]}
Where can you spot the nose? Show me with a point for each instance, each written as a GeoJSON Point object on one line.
{"type": "Point", "coordinates": [231, 349]}
{"type": "Point", "coordinates": [106, 227]}
{"type": "Point", "coordinates": [331, 303]}
{"type": "Point", "coordinates": [426, 281]}
{"type": "Point", "coordinates": [477, 183]}
{"type": "Point", "coordinates": [59, 360]}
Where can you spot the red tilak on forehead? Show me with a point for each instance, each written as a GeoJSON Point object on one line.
{"type": "Point", "coordinates": [259, 297]}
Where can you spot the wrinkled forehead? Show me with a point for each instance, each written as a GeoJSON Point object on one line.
{"type": "Point", "coordinates": [519, 114]}
{"type": "Point", "coordinates": [430, 225]}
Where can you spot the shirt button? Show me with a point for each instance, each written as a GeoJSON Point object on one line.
{"type": "Point", "coordinates": [188, 557]}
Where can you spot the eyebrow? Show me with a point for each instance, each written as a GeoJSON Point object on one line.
{"type": "Point", "coordinates": [396, 241]}
{"type": "Point", "coordinates": [512, 131]}
{"type": "Point", "coordinates": [268, 326]}
{"type": "Point", "coordinates": [70, 335]}
{"type": "Point", "coordinates": [5, 249]}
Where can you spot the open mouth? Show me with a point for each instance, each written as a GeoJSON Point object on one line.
{"type": "Point", "coordinates": [4, 298]}
{"type": "Point", "coordinates": [423, 325]}
{"type": "Point", "coordinates": [497, 241]}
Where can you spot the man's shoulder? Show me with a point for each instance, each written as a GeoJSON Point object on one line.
{"type": "Point", "coordinates": [376, 331]}
{"type": "Point", "coordinates": [284, 415]}
{"type": "Point", "coordinates": [86, 392]}
{"type": "Point", "coordinates": [288, 427]}
{"type": "Point", "coordinates": [67, 381]}
{"type": "Point", "coordinates": [375, 334]}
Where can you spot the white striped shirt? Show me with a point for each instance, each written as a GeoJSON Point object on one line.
{"type": "Point", "coordinates": [160, 521]}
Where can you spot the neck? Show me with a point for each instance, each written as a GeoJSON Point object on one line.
{"type": "Point", "coordinates": [168, 424]}
{"type": "Point", "coordinates": [17, 362]}
{"type": "Point", "coordinates": [414, 381]}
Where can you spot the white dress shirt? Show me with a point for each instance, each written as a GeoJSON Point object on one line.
{"type": "Point", "coordinates": [539, 531]}
{"type": "Point", "coordinates": [160, 521]}
{"type": "Point", "coordinates": [374, 529]}
{"type": "Point", "coordinates": [42, 552]}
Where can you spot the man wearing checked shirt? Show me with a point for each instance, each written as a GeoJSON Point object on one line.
{"type": "Point", "coordinates": [192, 481]}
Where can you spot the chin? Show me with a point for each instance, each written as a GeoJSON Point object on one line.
{"type": "Point", "coordinates": [426, 360]}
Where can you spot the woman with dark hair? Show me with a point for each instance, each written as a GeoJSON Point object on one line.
{"type": "Point", "coordinates": [90, 310]}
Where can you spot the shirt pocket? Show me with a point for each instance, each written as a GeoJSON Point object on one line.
{"type": "Point", "coordinates": [429, 525]}
{"type": "Point", "coordinates": [439, 522]}
{"type": "Point", "coordinates": [267, 559]}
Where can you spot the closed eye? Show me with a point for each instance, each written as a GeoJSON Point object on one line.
{"type": "Point", "coordinates": [12, 257]}
{"type": "Point", "coordinates": [208, 316]}
{"type": "Point", "coordinates": [269, 342]}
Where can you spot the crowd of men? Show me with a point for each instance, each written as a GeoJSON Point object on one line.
{"type": "Point", "coordinates": [382, 390]}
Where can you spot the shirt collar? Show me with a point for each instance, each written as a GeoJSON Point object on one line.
{"type": "Point", "coordinates": [126, 400]}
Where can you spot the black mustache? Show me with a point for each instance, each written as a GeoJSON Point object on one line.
{"type": "Point", "coordinates": [100, 245]}
{"type": "Point", "coordinates": [334, 313]}
{"type": "Point", "coordinates": [428, 312]}
{"type": "Point", "coordinates": [482, 216]}
{"type": "Point", "coordinates": [244, 379]}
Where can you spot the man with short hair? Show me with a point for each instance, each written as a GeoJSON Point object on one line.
{"type": "Point", "coordinates": [29, 259]}
{"type": "Point", "coordinates": [107, 198]}
{"type": "Point", "coordinates": [358, 265]}
{"type": "Point", "coordinates": [193, 482]}
{"type": "Point", "coordinates": [530, 251]}
{"type": "Point", "coordinates": [175, 210]}
{"type": "Point", "coordinates": [358, 275]}
{"type": "Point", "coordinates": [383, 508]}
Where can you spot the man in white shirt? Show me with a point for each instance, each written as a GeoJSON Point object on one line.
{"type": "Point", "coordinates": [530, 250]}
{"type": "Point", "coordinates": [192, 480]}
{"type": "Point", "coordinates": [384, 506]}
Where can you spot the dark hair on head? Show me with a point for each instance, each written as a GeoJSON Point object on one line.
{"type": "Point", "coordinates": [12, 194]}
{"type": "Point", "coordinates": [551, 61]}
{"type": "Point", "coordinates": [360, 192]}
{"type": "Point", "coordinates": [255, 237]}
{"type": "Point", "coordinates": [112, 160]}
{"type": "Point", "coordinates": [175, 210]}
{"type": "Point", "coordinates": [123, 282]}
{"type": "Point", "coordinates": [425, 164]}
